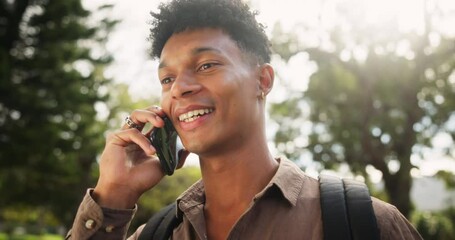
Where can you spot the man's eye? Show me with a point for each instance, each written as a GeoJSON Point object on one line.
{"type": "Point", "coordinates": [206, 66]}
{"type": "Point", "coordinates": [166, 80]}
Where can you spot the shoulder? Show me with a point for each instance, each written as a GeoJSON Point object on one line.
{"type": "Point", "coordinates": [391, 223]}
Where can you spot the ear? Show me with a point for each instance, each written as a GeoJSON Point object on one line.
{"type": "Point", "coordinates": [266, 78]}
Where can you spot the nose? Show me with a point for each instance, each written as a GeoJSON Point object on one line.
{"type": "Point", "coordinates": [185, 85]}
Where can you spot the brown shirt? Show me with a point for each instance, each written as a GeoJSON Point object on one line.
{"type": "Point", "coordinates": [287, 208]}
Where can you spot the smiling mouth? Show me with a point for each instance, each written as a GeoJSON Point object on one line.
{"type": "Point", "coordinates": [195, 114]}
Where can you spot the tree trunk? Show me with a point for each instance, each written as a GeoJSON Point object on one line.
{"type": "Point", "coordinates": [398, 187]}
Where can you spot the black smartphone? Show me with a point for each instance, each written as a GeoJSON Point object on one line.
{"type": "Point", "coordinates": [168, 145]}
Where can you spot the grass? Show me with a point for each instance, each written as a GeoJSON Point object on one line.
{"type": "Point", "coordinates": [3, 236]}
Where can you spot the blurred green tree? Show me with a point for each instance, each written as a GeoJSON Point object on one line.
{"type": "Point", "coordinates": [378, 96]}
{"type": "Point", "coordinates": [52, 59]}
{"type": "Point", "coordinates": [436, 225]}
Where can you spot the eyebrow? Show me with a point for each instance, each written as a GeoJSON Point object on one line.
{"type": "Point", "coordinates": [194, 52]}
{"type": "Point", "coordinates": [200, 50]}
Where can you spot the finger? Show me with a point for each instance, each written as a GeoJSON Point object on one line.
{"type": "Point", "coordinates": [157, 109]}
{"type": "Point", "coordinates": [132, 135]}
{"type": "Point", "coordinates": [142, 116]}
{"type": "Point", "coordinates": [154, 174]}
{"type": "Point", "coordinates": [130, 123]}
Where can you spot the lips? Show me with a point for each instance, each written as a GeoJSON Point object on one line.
{"type": "Point", "coordinates": [194, 114]}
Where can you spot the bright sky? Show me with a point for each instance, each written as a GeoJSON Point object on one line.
{"type": "Point", "coordinates": [129, 45]}
{"type": "Point", "coordinates": [131, 65]}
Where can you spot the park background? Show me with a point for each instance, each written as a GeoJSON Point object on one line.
{"type": "Point", "coordinates": [364, 89]}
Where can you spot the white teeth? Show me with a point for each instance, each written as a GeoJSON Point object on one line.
{"type": "Point", "coordinates": [193, 115]}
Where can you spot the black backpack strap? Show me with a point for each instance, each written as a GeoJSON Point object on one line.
{"type": "Point", "coordinates": [333, 207]}
{"type": "Point", "coordinates": [161, 225]}
{"type": "Point", "coordinates": [361, 213]}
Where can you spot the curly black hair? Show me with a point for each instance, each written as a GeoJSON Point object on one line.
{"type": "Point", "coordinates": [232, 16]}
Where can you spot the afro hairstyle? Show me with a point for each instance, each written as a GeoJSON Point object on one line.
{"type": "Point", "coordinates": [232, 16]}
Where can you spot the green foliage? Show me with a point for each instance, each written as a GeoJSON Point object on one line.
{"type": "Point", "coordinates": [165, 193]}
{"type": "Point", "coordinates": [447, 177]}
{"type": "Point", "coordinates": [30, 237]}
{"type": "Point", "coordinates": [371, 104]}
{"type": "Point", "coordinates": [436, 225]}
{"type": "Point", "coordinates": [288, 116]}
{"type": "Point", "coordinates": [121, 104]}
{"type": "Point", "coordinates": [49, 133]}
{"type": "Point", "coordinates": [33, 216]}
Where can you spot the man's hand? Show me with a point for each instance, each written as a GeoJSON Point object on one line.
{"type": "Point", "coordinates": [128, 165]}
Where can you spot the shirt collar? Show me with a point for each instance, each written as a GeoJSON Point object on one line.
{"type": "Point", "coordinates": [288, 179]}
{"type": "Point", "coordinates": [190, 198]}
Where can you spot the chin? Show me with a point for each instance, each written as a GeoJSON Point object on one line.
{"type": "Point", "coordinates": [193, 146]}
{"type": "Point", "coordinates": [201, 148]}
{"type": "Point", "coordinates": [197, 149]}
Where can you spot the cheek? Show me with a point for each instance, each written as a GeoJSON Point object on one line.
{"type": "Point", "coordinates": [245, 91]}
{"type": "Point", "coordinates": [165, 101]}
{"type": "Point", "coordinates": [238, 83]}
{"type": "Point", "coordinates": [239, 95]}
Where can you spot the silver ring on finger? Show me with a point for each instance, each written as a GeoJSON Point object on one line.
{"type": "Point", "coordinates": [132, 124]}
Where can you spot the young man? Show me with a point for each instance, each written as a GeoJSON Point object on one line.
{"type": "Point", "coordinates": [215, 76]}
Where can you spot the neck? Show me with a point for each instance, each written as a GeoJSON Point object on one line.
{"type": "Point", "coordinates": [231, 180]}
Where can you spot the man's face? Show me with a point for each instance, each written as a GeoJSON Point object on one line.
{"type": "Point", "coordinates": [209, 90]}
